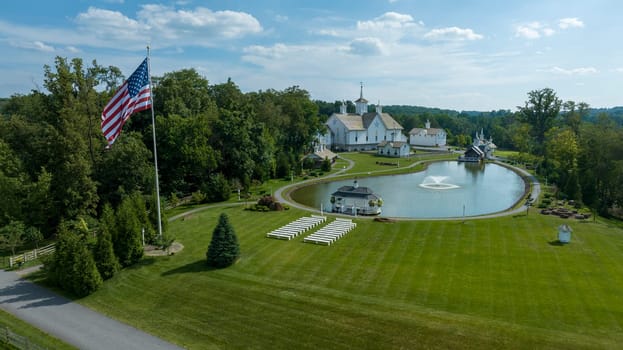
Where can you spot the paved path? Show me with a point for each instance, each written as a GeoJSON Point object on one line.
{"type": "Point", "coordinates": [536, 190]}
{"type": "Point", "coordinates": [68, 321]}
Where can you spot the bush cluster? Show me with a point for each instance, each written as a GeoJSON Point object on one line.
{"type": "Point", "coordinates": [268, 203]}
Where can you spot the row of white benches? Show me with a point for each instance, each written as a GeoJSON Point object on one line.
{"type": "Point", "coordinates": [332, 232]}
{"type": "Point", "coordinates": [297, 227]}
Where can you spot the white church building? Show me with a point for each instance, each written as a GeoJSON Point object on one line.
{"type": "Point", "coordinates": [427, 136]}
{"type": "Point", "coordinates": [362, 130]}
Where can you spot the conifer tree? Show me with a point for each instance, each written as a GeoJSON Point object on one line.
{"type": "Point", "coordinates": [127, 241]}
{"type": "Point", "coordinates": [224, 249]}
{"type": "Point", "coordinates": [103, 253]}
{"type": "Point", "coordinates": [87, 278]}
{"type": "Point", "coordinates": [72, 267]}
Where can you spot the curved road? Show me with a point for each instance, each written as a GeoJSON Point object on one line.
{"type": "Point", "coordinates": [69, 321]}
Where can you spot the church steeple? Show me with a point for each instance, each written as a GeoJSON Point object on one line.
{"type": "Point", "coordinates": [361, 104]}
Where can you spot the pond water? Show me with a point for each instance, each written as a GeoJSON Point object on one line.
{"type": "Point", "coordinates": [444, 189]}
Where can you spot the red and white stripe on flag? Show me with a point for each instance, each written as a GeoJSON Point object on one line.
{"type": "Point", "coordinates": [131, 97]}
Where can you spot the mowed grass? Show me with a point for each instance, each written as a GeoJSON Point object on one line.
{"type": "Point", "coordinates": [495, 283]}
{"type": "Point", "coordinates": [366, 162]}
{"type": "Point", "coordinates": [31, 335]}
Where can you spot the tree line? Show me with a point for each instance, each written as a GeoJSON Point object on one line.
{"type": "Point", "coordinates": [210, 138]}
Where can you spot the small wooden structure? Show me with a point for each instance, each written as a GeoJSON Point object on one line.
{"type": "Point", "coordinates": [564, 233]}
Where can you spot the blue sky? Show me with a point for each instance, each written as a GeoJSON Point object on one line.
{"type": "Point", "coordinates": [463, 55]}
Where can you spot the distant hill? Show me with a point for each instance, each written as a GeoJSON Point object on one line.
{"type": "Point", "coordinates": [3, 102]}
{"type": "Point", "coordinates": [411, 110]}
{"type": "Point", "coordinates": [615, 113]}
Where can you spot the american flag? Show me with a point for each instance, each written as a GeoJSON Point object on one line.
{"type": "Point", "coordinates": [133, 96]}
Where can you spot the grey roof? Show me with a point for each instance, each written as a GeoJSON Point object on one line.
{"type": "Point", "coordinates": [354, 121]}
{"type": "Point", "coordinates": [390, 123]}
{"type": "Point", "coordinates": [355, 192]}
{"type": "Point", "coordinates": [476, 150]}
{"type": "Point", "coordinates": [393, 144]}
{"type": "Point", "coordinates": [351, 121]}
{"type": "Point", "coordinates": [430, 131]}
{"type": "Point", "coordinates": [325, 153]}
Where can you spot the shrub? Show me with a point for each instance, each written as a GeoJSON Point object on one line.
{"type": "Point", "coordinates": [198, 197]}
{"type": "Point", "coordinates": [217, 188]}
{"type": "Point", "coordinates": [268, 203]}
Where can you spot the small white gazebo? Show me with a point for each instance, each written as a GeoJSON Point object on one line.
{"type": "Point", "coordinates": [564, 233]}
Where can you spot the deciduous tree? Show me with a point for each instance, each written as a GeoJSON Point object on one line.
{"type": "Point", "coordinates": [540, 112]}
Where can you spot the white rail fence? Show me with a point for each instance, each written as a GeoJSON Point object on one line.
{"type": "Point", "coordinates": [31, 255]}
{"type": "Point", "coordinates": [8, 337]}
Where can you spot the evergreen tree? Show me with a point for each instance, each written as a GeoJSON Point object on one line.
{"type": "Point", "coordinates": [140, 209]}
{"type": "Point", "coordinates": [224, 249]}
{"type": "Point", "coordinates": [72, 267]}
{"type": "Point", "coordinates": [86, 279]}
{"type": "Point", "coordinates": [127, 240]}
{"type": "Point", "coordinates": [104, 254]}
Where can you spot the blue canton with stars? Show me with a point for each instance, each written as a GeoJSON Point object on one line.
{"type": "Point", "coordinates": [138, 79]}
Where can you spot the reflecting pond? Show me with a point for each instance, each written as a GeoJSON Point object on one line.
{"type": "Point", "coordinates": [444, 189]}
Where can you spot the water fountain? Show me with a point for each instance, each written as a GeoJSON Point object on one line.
{"type": "Point", "coordinates": [440, 191]}
{"type": "Point", "coordinates": [436, 183]}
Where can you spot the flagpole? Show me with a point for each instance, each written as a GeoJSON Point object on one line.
{"type": "Point", "coordinates": [153, 129]}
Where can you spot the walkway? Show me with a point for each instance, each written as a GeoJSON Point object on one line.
{"type": "Point", "coordinates": [68, 321]}
{"type": "Point", "coordinates": [533, 181]}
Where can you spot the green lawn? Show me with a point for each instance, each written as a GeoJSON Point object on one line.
{"type": "Point", "coordinates": [495, 283]}
{"type": "Point", "coordinates": [25, 330]}
{"type": "Point", "coordinates": [366, 162]}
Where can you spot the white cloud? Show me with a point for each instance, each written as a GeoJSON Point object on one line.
{"type": "Point", "coordinates": [536, 30]}
{"type": "Point", "coordinates": [548, 31]}
{"type": "Point", "coordinates": [281, 18]}
{"type": "Point", "coordinates": [72, 49]}
{"type": "Point", "coordinates": [273, 52]}
{"type": "Point", "coordinates": [452, 33]}
{"type": "Point", "coordinates": [166, 26]}
{"type": "Point", "coordinates": [389, 20]}
{"type": "Point", "coordinates": [570, 22]}
{"type": "Point", "coordinates": [110, 25]}
{"type": "Point", "coordinates": [533, 30]}
{"type": "Point", "coordinates": [573, 71]}
{"type": "Point", "coordinates": [33, 45]}
{"type": "Point", "coordinates": [328, 32]}
{"type": "Point", "coordinates": [366, 46]}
